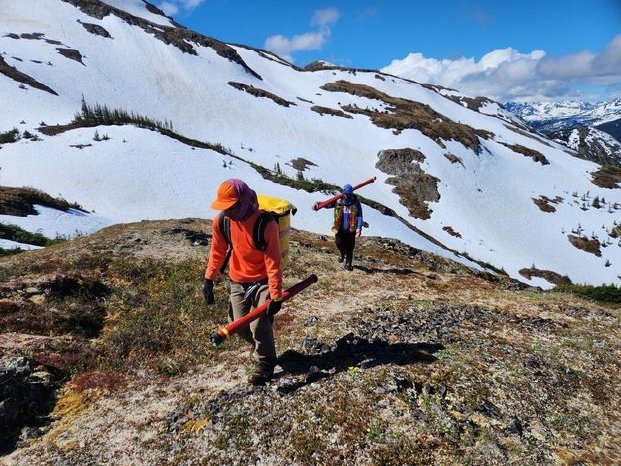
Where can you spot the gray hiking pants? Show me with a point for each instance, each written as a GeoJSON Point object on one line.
{"type": "Point", "coordinates": [259, 333]}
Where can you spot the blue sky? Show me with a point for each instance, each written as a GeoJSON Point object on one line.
{"type": "Point", "coordinates": [569, 48]}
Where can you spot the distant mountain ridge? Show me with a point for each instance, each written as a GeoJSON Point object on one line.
{"type": "Point", "coordinates": [566, 113]}
{"type": "Point", "coordinates": [591, 129]}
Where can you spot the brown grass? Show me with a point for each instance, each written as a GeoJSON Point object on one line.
{"type": "Point", "coordinates": [549, 275]}
{"type": "Point", "coordinates": [544, 202]}
{"type": "Point", "coordinates": [257, 92]}
{"type": "Point", "coordinates": [589, 245]}
{"type": "Point", "coordinates": [607, 177]}
{"type": "Point", "coordinates": [406, 114]}
{"type": "Point", "coordinates": [330, 111]}
{"type": "Point", "coordinates": [533, 154]}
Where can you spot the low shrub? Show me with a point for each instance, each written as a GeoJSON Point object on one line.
{"type": "Point", "coordinates": [603, 293]}
{"type": "Point", "coordinates": [19, 235]}
{"type": "Point", "coordinates": [9, 136]}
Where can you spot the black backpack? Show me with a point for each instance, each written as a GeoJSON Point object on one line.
{"type": "Point", "coordinates": [258, 233]}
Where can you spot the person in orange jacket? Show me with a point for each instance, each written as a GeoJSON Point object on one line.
{"type": "Point", "coordinates": [255, 275]}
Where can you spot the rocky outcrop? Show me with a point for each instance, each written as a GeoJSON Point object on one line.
{"type": "Point", "coordinates": [26, 398]}
{"type": "Point", "coordinates": [96, 29]}
{"type": "Point", "coordinates": [414, 187]}
{"type": "Point", "coordinates": [399, 162]}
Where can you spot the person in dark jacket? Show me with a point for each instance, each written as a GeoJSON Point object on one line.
{"type": "Point", "coordinates": [347, 224]}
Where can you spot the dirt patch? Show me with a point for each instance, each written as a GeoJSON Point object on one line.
{"type": "Point", "coordinates": [330, 111]}
{"type": "Point", "coordinates": [257, 92]}
{"type": "Point", "coordinates": [16, 75]}
{"type": "Point", "coordinates": [544, 203]}
{"type": "Point", "coordinates": [401, 114]}
{"type": "Point", "coordinates": [589, 245]}
{"type": "Point", "coordinates": [549, 275]}
{"type": "Point", "coordinates": [533, 154]}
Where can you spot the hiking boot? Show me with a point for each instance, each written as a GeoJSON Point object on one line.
{"type": "Point", "coordinates": [341, 258]}
{"type": "Point", "coordinates": [349, 267]}
{"type": "Point", "coordinates": [259, 377]}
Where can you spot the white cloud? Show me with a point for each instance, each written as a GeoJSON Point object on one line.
{"type": "Point", "coordinates": [325, 17]}
{"type": "Point", "coordinates": [285, 46]}
{"type": "Point", "coordinates": [169, 8]}
{"type": "Point", "coordinates": [172, 7]}
{"type": "Point", "coordinates": [507, 74]}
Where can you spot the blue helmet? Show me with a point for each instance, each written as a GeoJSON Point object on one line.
{"type": "Point", "coordinates": [347, 189]}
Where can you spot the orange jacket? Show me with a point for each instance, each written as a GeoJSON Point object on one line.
{"type": "Point", "coordinates": [247, 264]}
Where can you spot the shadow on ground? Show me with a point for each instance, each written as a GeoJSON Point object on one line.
{"type": "Point", "coordinates": [351, 351]}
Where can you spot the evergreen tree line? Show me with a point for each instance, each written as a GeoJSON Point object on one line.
{"type": "Point", "coordinates": [102, 115]}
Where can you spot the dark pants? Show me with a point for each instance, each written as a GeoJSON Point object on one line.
{"type": "Point", "coordinates": [259, 333]}
{"type": "Point", "coordinates": [345, 242]}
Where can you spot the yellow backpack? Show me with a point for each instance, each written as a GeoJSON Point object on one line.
{"type": "Point", "coordinates": [281, 210]}
{"type": "Point", "coordinates": [272, 208]}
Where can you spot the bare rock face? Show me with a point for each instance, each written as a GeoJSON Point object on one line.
{"type": "Point", "coordinates": [96, 29]}
{"type": "Point", "coordinates": [400, 161]}
{"type": "Point", "coordinates": [26, 398]}
{"type": "Point", "coordinates": [415, 187]}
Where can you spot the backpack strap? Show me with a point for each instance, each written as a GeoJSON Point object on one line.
{"type": "Point", "coordinates": [258, 233]}
{"type": "Point", "coordinates": [224, 225]}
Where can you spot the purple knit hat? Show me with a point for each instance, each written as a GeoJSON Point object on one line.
{"type": "Point", "coordinates": [248, 202]}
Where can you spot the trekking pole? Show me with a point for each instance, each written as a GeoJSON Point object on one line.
{"type": "Point", "coordinates": [235, 326]}
{"type": "Point", "coordinates": [320, 205]}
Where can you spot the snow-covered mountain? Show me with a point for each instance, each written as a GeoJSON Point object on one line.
{"type": "Point", "coordinates": [591, 144]}
{"type": "Point", "coordinates": [570, 114]}
{"type": "Point", "coordinates": [456, 176]}
{"type": "Point", "coordinates": [593, 130]}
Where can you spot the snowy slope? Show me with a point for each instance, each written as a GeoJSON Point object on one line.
{"type": "Point", "coordinates": [138, 174]}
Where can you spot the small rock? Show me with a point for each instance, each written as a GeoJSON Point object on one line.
{"type": "Point", "coordinates": [404, 384]}
{"type": "Point", "coordinates": [515, 427]}
{"type": "Point", "coordinates": [312, 320]}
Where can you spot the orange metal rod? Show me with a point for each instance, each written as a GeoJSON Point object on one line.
{"type": "Point", "coordinates": [235, 326]}
{"type": "Point", "coordinates": [321, 205]}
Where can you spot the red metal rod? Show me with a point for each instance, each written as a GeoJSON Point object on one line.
{"type": "Point", "coordinates": [235, 326]}
{"type": "Point", "coordinates": [321, 205]}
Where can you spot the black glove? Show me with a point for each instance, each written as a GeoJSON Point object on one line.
{"type": "Point", "coordinates": [274, 307]}
{"type": "Point", "coordinates": [208, 291]}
